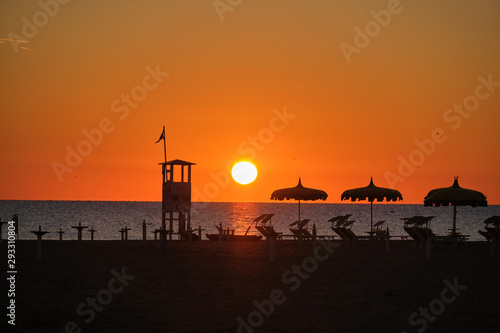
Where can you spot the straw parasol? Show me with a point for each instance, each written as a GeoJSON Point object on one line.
{"type": "Point", "coordinates": [455, 196]}
{"type": "Point", "coordinates": [299, 193]}
{"type": "Point", "coordinates": [371, 193]}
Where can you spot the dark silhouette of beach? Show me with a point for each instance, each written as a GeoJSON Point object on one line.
{"type": "Point", "coordinates": [197, 287]}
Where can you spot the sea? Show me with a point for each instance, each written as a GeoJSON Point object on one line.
{"type": "Point", "coordinates": [108, 217]}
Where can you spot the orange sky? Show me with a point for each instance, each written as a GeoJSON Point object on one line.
{"type": "Point", "coordinates": [272, 82]}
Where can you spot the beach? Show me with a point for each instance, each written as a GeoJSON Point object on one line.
{"type": "Point", "coordinates": [319, 139]}
{"type": "Point", "coordinates": [133, 286]}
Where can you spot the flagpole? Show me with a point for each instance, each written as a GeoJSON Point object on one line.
{"type": "Point", "coordinates": [164, 144]}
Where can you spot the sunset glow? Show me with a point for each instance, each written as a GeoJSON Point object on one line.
{"type": "Point", "coordinates": [335, 92]}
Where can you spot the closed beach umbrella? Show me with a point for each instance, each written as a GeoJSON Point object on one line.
{"type": "Point", "coordinates": [299, 193]}
{"type": "Point", "coordinates": [455, 196]}
{"type": "Point", "coordinates": [371, 193]}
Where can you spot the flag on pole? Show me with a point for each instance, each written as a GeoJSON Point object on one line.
{"type": "Point", "coordinates": [162, 136]}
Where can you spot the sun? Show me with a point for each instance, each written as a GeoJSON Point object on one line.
{"type": "Point", "coordinates": [244, 172]}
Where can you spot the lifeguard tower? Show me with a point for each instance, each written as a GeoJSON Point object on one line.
{"type": "Point", "coordinates": [176, 197]}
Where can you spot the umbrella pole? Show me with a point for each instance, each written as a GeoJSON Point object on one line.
{"type": "Point", "coordinates": [371, 219]}
{"type": "Point", "coordinates": [299, 210]}
{"type": "Point", "coordinates": [300, 228]}
{"type": "Point", "coordinates": [455, 238]}
{"type": "Point", "coordinates": [454, 218]}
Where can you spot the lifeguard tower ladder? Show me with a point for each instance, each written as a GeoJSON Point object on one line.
{"type": "Point", "coordinates": [176, 197]}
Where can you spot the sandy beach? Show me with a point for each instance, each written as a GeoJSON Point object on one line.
{"type": "Point", "coordinates": [352, 122]}
{"type": "Point", "coordinates": [197, 287]}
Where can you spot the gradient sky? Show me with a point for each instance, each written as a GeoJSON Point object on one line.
{"type": "Point", "coordinates": [343, 116]}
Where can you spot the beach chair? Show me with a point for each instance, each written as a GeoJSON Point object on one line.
{"type": "Point", "coordinates": [346, 229]}
{"type": "Point", "coordinates": [422, 221]}
{"type": "Point", "coordinates": [351, 236]}
{"type": "Point", "coordinates": [339, 220]}
{"type": "Point", "coordinates": [410, 226]}
{"type": "Point", "coordinates": [266, 230]}
{"type": "Point", "coordinates": [260, 218]}
{"type": "Point", "coordinates": [486, 234]}
{"type": "Point", "coordinates": [263, 219]}
{"type": "Point", "coordinates": [418, 227]}
{"type": "Point", "coordinates": [340, 232]}
{"type": "Point", "coordinates": [262, 230]}
{"type": "Point", "coordinates": [378, 226]}
{"type": "Point", "coordinates": [299, 224]}
{"type": "Point", "coordinates": [493, 231]}
{"type": "Point", "coordinates": [337, 226]}
{"type": "Point", "coordinates": [494, 220]}
{"type": "Point", "coordinates": [300, 228]}
{"type": "Point", "coordinates": [342, 226]}
{"type": "Point", "coordinates": [378, 231]}
{"type": "Point", "coordinates": [423, 234]}
{"type": "Point", "coordinates": [305, 233]}
{"type": "Point", "coordinates": [416, 238]}
{"type": "Point", "coordinates": [273, 233]}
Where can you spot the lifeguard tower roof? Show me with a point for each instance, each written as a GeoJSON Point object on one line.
{"type": "Point", "coordinates": [176, 162]}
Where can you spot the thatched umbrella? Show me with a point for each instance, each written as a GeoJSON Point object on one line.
{"type": "Point", "coordinates": [455, 196]}
{"type": "Point", "coordinates": [371, 193]}
{"type": "Point", "coordinates": [299, 193]}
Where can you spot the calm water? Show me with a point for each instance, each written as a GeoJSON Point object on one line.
{"type": "Point", "coordinates": [109, 216]}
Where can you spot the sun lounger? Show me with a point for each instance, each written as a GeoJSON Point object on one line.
{"type": "Point", "coordinates": [272, 232]}
{"type": "Point", "coordinates": [266, 230]}
{"type": "Point", "coordinates": [267, 218]}
{"type": "Point", "coordinates": [378, 226]}
{"type": "Point", "coordinates": [339, 220]}
{"type": "Point", "coordinates": [414, 226]}
{"type": "Point", "coordinates": [337, 226]}
{"type": "Point", "coordinates": [422, 235]}
{"type": "Point", "coordinates": [486, 234]}
{"type": "Point", "coordinates": [300, 228]}
{"type": "Point", "coordinates": [263, 219]}
{"type": "Point", "coordinates": [494, 220]}
{"type": "Point", "coordinates": [350, 234]}
{"type": "Point", "coordinates": [494, 232]}
{"type": "Point", "coordinates": [418, 227]}
{"type": "Point", "coordinates": [260, 217]}
{"type": "Point", "coordinates": [340, 232]}
{"type": "Point", "coordinates": [305, 233]}
{"type": "Point", "coordinates": [300, 224]}
{"type": "Point", "coordinates": [378, 231]}
{"type": "Point", "coordinates": [414, 235]}
{"type": "Point", "coordinates": [345, 232]}
{"type": "Point", "coordinates": [491, 231]}
{"type": "Point", "coordinates": [380, 234]}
